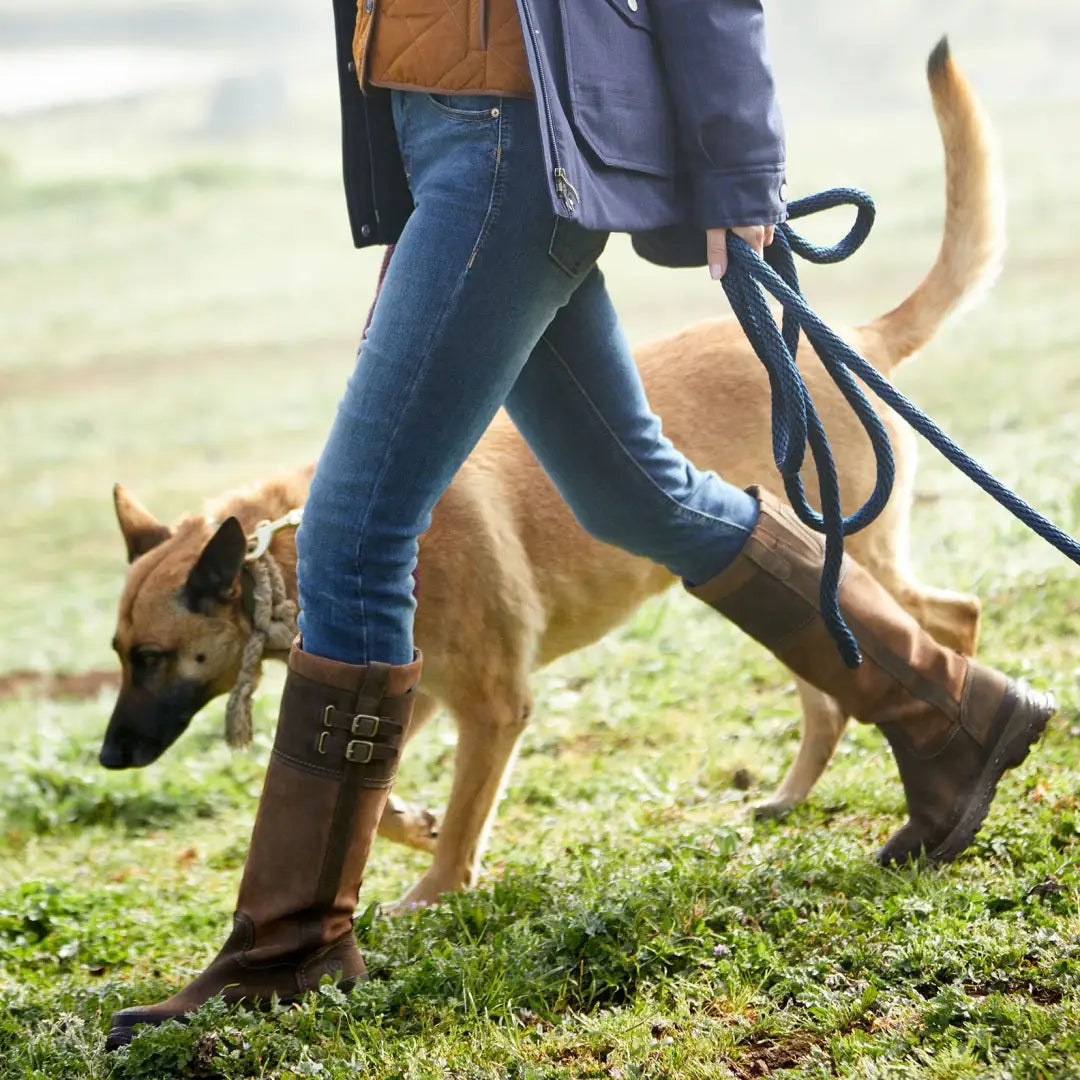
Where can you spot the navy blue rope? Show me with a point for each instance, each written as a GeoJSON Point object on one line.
{"type": "Point", "coordinates": [795, 421]}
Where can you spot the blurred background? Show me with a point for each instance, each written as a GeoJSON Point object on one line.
{"type": "Point", "coordinates": [180, 302]}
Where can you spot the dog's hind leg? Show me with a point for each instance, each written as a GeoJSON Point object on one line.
{"type": "Point", "coordinates": [823, 724]}
{"type": "Point", "coordinates": [951, 618]}
{"type": "Point", "coordinates": [488, 735]}
{"type": "Point", "coordinates": [404, 822]}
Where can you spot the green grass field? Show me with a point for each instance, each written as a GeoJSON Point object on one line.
{"type": "Point", "coordinates": [181, 316]}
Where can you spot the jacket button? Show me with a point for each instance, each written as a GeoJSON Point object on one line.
{"type": "Point", "coordinates": [352, 67]}
{"type": "Point", "coordinates": [632, 4]}
{"type": "Point", "coordinates": [783, 191]}
{"type": "Point", "coordinates": [365, 230]}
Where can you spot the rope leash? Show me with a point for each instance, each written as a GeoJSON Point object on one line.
{"type": "Point", "coordinates": [795, 422]}
{"type": "Point", "coordinates": [273, 620]}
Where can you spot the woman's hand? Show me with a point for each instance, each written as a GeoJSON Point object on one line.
{"type": "Point", "coordinates": [759, 237]}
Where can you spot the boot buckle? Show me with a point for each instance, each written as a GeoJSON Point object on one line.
{"type": "Point", "coordinates": [363, 724]}
{"type": "Point", "coordinates": [359, 752]}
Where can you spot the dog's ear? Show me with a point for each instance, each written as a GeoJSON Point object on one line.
{"type": "Point", "coordinates": [215, 578]}
{"type": "Point", "coordinates": [142, 531]}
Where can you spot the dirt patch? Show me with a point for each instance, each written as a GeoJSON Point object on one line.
{"type": "Point", "coordinates": [57, 684]}
{"type": "Point", "coordinates": [1040, 994]}
{"type": "Point", "coordinates": [763, 1056]}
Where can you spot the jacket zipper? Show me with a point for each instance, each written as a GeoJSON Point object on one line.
{"type": "Point", "coordinates": [361, 75]}
{"type": "Point", "coordinates": [563, 188]}
{"type": "Point", "coordinates": [482, 15]}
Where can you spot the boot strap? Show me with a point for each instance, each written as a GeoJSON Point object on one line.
{"type": "Point", "coordinates": [358, 751]}
{"type": "Point", "coordinates": [366, 727]}
{"type": "Point", "coordinates": [362, 725]}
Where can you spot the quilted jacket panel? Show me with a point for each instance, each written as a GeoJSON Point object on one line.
{"type": "Point", "coordinates": [450, 46]}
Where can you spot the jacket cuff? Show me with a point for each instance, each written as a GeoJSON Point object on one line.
{"type": "Point", "coordinates": [726, 199]}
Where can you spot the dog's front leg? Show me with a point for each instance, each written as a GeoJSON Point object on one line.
{"type": "Point", "coordinates": [488, 736]}
{"type": "Point", "coordinates": [403, 822]}
{"type": "Point", "coordinates": [823, 724]}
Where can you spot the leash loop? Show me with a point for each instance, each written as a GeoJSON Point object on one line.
{"type": "Point", "coordinates": [796, 424]}
{"type": "Point", "coordinates": [273, 627]}
{"type": "Point", "coordinates": [273, 623]}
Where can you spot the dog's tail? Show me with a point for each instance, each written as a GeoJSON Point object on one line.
{"type": "Point", "coordinates": [974, 239]}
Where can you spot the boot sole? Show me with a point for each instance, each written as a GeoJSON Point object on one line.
{"type": "Point", "coordinates": [1013, 746]}
{"type": "Point", "coordinates": [122, 1035]}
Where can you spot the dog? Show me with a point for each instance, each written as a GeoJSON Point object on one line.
{"type": "Point", "coordinates": [505, 572]}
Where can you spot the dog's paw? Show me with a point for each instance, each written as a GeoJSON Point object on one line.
{"type": "Point", "coordinates": [773, 810]}
{"type": "Point", "coordinates": [404, 906]}
{"type": "Point", "coordinates": [413, 826]}
{"type": "Point", "coordinates": [426, 892]}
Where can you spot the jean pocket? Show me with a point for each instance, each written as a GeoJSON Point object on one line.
{"type": "Point", "coordinates": [470, 108]}
{"type": "Point", "coordinates": [573, 249]}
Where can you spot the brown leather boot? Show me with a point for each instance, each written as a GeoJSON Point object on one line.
{"type": "Point", "coordinates": [336, 750]}
{"type": "Point", "coordinates": [954, 725]}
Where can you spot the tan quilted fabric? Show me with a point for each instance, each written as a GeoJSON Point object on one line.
{"type": "Point", "coordinates": [463, 46]}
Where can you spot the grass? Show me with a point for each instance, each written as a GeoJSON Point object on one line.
{"type": "Point", "coordinates": [632, 921]}
{"type": "Point", "coordinates": [181, 316]}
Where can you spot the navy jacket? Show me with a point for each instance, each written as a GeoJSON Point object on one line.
{"type": "Point", "coordinates": [659, 119]}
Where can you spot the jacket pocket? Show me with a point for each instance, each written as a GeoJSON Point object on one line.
{"type": "Point", "coordinates": [618, 96]}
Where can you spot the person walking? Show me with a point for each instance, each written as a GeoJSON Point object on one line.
{"type": "Point", "coordinates": [497, 143]}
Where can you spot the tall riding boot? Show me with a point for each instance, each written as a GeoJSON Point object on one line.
{"type": "Point", "coordinates": [339, 736]}
{"type": "Point", "coordinates": [954, 725]}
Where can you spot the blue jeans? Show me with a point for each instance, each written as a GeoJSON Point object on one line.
{"type": "Point", "coordinates": [489, 300]}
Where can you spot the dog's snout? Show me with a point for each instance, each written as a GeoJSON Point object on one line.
{"type": "Point", "coordinates": [114, 756]}
{"type": "Point", "coordinates": [144, 725]}
{"type": "Point", "coordinates": [129, 754]}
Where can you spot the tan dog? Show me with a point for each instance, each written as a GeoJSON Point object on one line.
{"type": "Point", "coordinates": [506, 573]}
